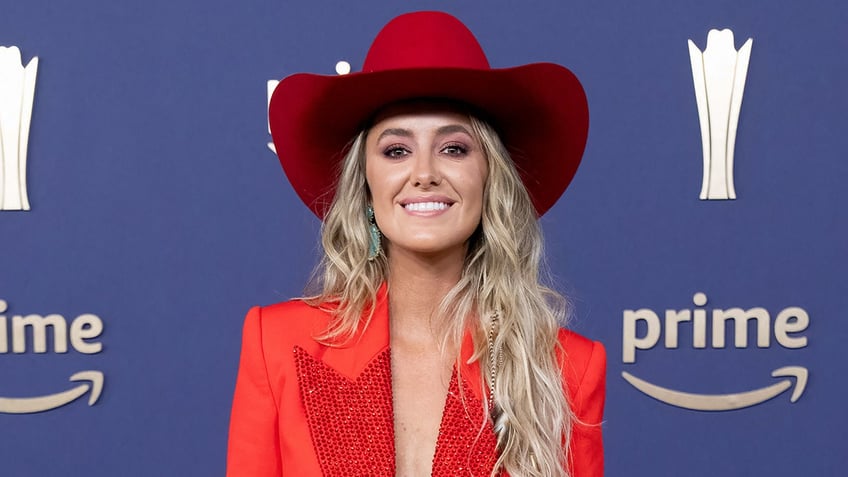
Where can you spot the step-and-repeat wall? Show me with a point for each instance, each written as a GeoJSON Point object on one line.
{"type": "Point", "coordinates": [703, 240]}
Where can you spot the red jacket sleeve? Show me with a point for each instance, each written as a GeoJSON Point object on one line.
{"type": "Point", "coordinates": [586, 449]}
{"type": "Point", "coordinates": [253, 448]}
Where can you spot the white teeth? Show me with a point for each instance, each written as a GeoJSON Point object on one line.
{"type": "Point", "coordinates": [426, 206]}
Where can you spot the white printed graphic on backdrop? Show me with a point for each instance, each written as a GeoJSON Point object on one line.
{"type": "Point", "coordinates": [82, 333]}
{"type": "Point", "coordinates": [52, 401]}
{"type": "Point", "coordinates": [272, 84]}
{"type": "Point", "coordinates": [786, 328]}
{"type": "Point", "coordinates": [725, 402]}
{"type": "Point", "coordinates": [719, 75]}
{"type": "Point", "coordinates": [342, 68]}
{"type": "Point", "coordinates": [17, 87]}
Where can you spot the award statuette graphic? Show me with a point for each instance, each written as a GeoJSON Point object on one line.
{"type": "Point", "coordinates": [17, 87]}
{"type": "Point", "coordinates": [719, 75]}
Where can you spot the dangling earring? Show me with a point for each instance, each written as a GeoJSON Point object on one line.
{"type": "Point", "coordinates": [375, 246]}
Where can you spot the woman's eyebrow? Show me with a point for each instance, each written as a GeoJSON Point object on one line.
{"type": "Point", "coordinates": [395, 132]}
{"type": "Point", "coordinates": [441, 131]}
{"type": "Point", "coordinates": [452, 128]}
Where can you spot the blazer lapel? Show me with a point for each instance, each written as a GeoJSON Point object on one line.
{"type": "Point", "coordinates": [470, 370]}
{"type": "Point", "coordinates": [347, 397]}
{"type": "Point", "coordinates": [351, 359]}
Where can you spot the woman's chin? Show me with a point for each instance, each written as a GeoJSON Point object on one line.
{"type": "Point", "coordinates": [428, 248]}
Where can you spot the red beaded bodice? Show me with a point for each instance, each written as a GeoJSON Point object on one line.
{"type": "Point", "coordinates": [352, 424]}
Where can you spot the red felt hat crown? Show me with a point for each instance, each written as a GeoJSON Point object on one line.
{"type": "Point", "coordinates": [539, 109]}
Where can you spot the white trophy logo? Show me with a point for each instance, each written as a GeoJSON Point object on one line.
{"type": "Point", "coordinates": [719, 75]}
{"type": "Point", "coordinates": [17, 87]}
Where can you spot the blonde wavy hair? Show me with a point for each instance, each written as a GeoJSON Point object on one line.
{"type": "Point", "coordinates": [500, 296]}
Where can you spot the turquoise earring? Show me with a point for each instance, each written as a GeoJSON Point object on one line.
{"type": "Point", "coordinates": [375, 245]}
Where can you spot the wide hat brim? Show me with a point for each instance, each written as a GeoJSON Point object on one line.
{"type": "Point", "coordinates": [539, 110]}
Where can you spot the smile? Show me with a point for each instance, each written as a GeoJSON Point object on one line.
{"type": "Point", "coordinates": [426, 206]}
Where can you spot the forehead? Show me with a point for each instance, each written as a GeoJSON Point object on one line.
{"type": "Point", "coordinates": [422, 113]}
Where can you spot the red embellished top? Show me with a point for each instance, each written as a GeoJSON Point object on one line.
{"type": "Point", "coordinates": [305, 409]}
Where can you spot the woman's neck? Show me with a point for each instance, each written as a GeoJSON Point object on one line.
{"type": "Point", "coordinates": [418, 283]}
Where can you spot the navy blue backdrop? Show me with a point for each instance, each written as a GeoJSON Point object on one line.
{"type": "Point", "coordinates": [157, 206]}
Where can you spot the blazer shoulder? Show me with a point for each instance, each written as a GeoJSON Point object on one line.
{"type": "Point", "coordinates": [295, 310]}
{"type": "Point", "coordinates": [576, 347]}
{"type": "Point", "coordinates": [583, 361]}
{"type": "Point", "coordinates": [289, 323]}
{"type": "Point", "coordinates": [583, 364]}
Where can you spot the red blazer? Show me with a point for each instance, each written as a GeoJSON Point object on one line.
{"type": "Point", "coordinates": [289, 384]}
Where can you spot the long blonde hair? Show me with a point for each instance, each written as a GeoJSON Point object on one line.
{"type": "Point", "coordinates": [514, 316]}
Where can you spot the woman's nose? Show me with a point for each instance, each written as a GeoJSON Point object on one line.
{"type": "Point", "coordinates": [425, 171]}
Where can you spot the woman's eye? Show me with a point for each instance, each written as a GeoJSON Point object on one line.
{"type": "Point", "coordinates": [395, 151]}
{"type": "Point", "coordinates": [455, 149]}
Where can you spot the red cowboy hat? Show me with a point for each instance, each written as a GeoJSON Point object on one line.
{"type": "Point", "coordinates": [539, 110]}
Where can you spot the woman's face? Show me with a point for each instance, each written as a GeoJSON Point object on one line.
{"type": "Point", "coordinates": [426, 172]}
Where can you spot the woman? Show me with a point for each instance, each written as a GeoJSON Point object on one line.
{"type": "Point", "coordinates": [429, 346]}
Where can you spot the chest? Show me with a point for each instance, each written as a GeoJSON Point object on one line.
{"type": "Point", "coordinates": [352, 422]}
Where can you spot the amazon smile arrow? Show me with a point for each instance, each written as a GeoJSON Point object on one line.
{"type": "Point", "coordinates": [52, 401]}
{"type": "Point", "coordinates": [725, 402]}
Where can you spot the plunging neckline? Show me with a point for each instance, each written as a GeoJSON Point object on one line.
{"type": "Point", "coordinates": [351, 422]}
{"type": "Point", "coordinates": [421, 391]}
